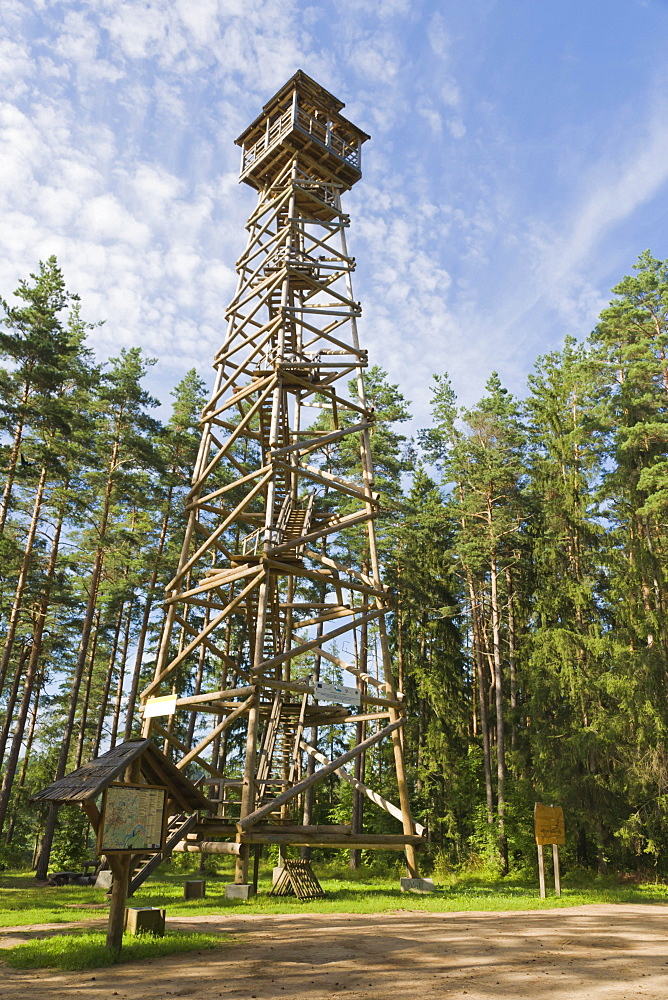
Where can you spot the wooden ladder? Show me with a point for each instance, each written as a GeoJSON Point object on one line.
{"type": "Point", "coordinates": [145, 864]}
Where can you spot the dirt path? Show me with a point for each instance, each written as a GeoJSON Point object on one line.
{"type": "Point", "coordinates": [587, 952]}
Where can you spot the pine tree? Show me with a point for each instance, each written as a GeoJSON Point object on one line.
{"type": "Point", "coordinates": [123, 444]}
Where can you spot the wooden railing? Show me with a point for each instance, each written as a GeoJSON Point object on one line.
{"type": "Point", "coordinates": [318, 130]}
{"type": "Point", "coordinates": [276, 131]}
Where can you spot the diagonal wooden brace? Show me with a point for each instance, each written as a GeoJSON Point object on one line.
{"type": "Point", "coordinates": [291, 793]}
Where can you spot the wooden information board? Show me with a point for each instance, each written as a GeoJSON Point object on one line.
{"type": "Point", "coordinates": [133, 819]}
{"type": "Point", "coordinates": [548, 824]}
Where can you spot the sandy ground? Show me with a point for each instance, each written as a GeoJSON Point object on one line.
{"type": "Point", "coordinates": [595, 952]}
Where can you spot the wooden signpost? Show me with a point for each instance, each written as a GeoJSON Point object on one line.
{"type": "Point", "coordinates": [132, 822]}
{"type": "Point", "coordinates": [139, 788]}
{"type": "Point", "coordinates": [549, 828]}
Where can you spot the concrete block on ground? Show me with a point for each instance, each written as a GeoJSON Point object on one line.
{"type": "Point", "coordinates": [104, 880]}
{"type": "Point", "coordinates": [275, 874]}
{"type": "Point", "coordinates": [238, 890]}
{"type": "Point", "coordinates": [194, 889]}
{"type": "Point", "coordinates": [145, 920]}
{"type": "Point", "coordinates": [417, 885]}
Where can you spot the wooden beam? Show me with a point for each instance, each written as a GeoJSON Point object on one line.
{"type": "Point", "coordinates": [320, 576]}
{"type": "Point", "coordinates": [93, 814]}
{"type": "Point", "coordinates": [301, 687]}
{"type": "Point", "coordinates": [327, 439]}
{"type": "Point", "coordinates": [210, 737]}
{"type": "Point", "coordinates": [229, 693]}
{"type": "Point", "coordinates": [326, 637]}
{"type": "Point", "coordinates": [374, 842]}
{"type": "Point", "coordinates": [219, 653]}
{"type": "Point", "coordinates": [361, 674]}
{"type": "Point", "coordinates": [377, 799]}
{"type": "Point", "coordinates": [290, 793]}
{"type": "Point", "coordinates": [185, 749]}
{"type": "Point", "coordinates": [195, 642]}
{"type": "Point", "coordinates": [215, 582]}
{"type": "Point", "coordinates": [218, 531]}
{"type": "Point", "coordinates": [208, 847]}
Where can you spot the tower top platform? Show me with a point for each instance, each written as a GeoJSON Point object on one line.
{"type": "Point", "coordinates": [302, 118]}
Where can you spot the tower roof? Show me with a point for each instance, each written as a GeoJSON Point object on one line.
{"type": "Point", "coordinates": [307, 86]}
{"type": "Point", "coordinates": [302, 119]}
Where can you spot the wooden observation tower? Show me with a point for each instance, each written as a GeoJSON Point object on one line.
{"type": "Point", "coordinates": [266, 595]}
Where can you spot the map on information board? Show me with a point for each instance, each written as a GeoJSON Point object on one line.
{"type": "Point", "coordinates": [132, 818]}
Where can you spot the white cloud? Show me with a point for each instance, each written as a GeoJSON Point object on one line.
{"type": "Point", "coordinates": [612, 190]}
{"type": "Point", "coordinates": [433, 119]}
{"type": "Point", "coordinates": [116, 129]}
{"type": "Point", "coordinates": [456, 128]}
{"type": "Point", "coordinates": [450, 93]}
{"type": "Point", "coordinates": [438, 35]}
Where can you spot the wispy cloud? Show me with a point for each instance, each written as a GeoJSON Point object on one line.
{"type": "Point", "coordinates": [628, 175]}
{"type": "Point", "coordinates": [116, 126]}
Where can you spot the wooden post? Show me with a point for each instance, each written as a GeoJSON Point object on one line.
{"type": "Point", "coordinates": [557, 873]}
{"type": "Point", "coordinates": [257, 853]}
{"type": "Point", "coordinates": [120, 867]}
{"type": "Point", "coordinates": [541, 871]}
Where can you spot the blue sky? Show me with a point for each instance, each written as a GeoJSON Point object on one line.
{"type": "Point", "coordinates": [518, 165]}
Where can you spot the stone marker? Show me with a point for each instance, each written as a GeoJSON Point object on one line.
{"type": "Point", "coordinates": [145, 920]}
{"type": "Point", "coordinates": [417, 885]}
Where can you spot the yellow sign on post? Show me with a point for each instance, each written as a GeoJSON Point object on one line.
{"type": "Point", "coordinates": [548, 823]}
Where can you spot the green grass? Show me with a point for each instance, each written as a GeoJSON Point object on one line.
{"type": "Point", "coordinates": [89, 951]}
{"type": "Point", "coordinates": [21, 902]}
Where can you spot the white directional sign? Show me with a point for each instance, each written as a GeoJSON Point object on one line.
{"type": "Point", "coordinates": [338, 693]}
{"type": "Point", "coordinates": [155, 707]}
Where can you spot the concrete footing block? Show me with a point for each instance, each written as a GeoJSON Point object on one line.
{"type": "Point", "coordinates": [104, 880]}
{"type": "Point", "coordinates": [145, 920]}
{"type": "Point", "coordinates": [194, 889]}
{"type": "Point", "coordinates": [275, 874]}
{"type": "Point", "coordinates": [417, 885]}
{"type": "Point", "coordinates": [237, 890]}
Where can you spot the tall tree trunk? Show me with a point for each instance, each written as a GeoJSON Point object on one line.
{"type": "Point", "coordinates": [512, 669]}
{"type": "Point", "coordinates": [24, 767]}
{"type": "Point", "coordinates": [50, 825]}
{"type": "Point", "coordinates": [86, 699]}
{"type": "Point", "coordinates": [31, 732]}
{"type": "Point", "coordinates": [357, 817]}
{"type": "Point", "coordinates": [32, 669]}
{"type": "Point", "coordinates": [500, 734]}
{"type": "Point", "coordinates": [482, 696]}
{"type": "Point", "coordinates": [11, 698]}
{"type": "Point", "coordinates": [22, 581]}
{"type": "Point", "coordinates": [121, 673]}
{"type": "Point", "coordinates": [12, 465]}
{"type": "Point", "coordinates": [17, 741]}
{"type": "Point", "coordinates": [104, 701]}
{"type": "Point", "coordinates": [199, 676]}
{"type": "Point", "coordinates": [309, 794]}
{"type": "Point", "coordinates": [143, 629]}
